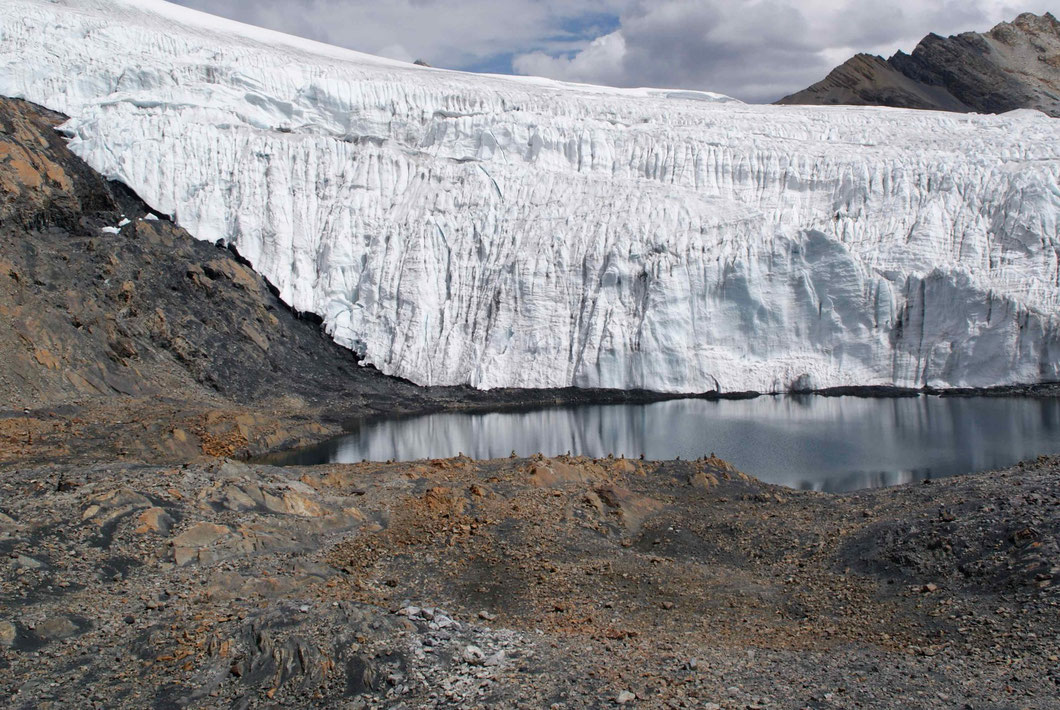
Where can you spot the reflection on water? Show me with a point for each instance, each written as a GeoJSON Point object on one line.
{"type": "Point", "coordinates": [821, 443]}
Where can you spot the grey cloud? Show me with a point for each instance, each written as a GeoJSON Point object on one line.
{"type": "Point", "coordinates": [697, 45]}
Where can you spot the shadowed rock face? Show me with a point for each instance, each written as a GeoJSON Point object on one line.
{"type": "Point", "coordinates": [1015, 65]}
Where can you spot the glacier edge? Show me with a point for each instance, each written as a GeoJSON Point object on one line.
{"type": "Point", "coordinates": [506, 232]}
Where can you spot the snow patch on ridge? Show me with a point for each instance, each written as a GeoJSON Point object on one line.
{"type": "Point", "coordinates": [511, 231]}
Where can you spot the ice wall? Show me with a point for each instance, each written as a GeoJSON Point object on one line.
{"type": "Point", "coordinates": [505, 231]}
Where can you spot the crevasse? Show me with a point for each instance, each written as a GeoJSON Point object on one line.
{"type": "Point", "coordinates": [506, 231]}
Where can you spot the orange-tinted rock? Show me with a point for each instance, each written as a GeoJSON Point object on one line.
{"type": "Point", "coordinates": [154, 520]}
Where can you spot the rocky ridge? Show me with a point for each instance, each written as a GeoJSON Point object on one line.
{"type": "Point", "coordinates": [1015, 65]}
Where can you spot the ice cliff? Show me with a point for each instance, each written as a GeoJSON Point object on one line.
{"type": "Point", "coordinates": [504, 231]}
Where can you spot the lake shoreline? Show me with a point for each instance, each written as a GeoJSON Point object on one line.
{"type": "Point", "coordinates": [831, 443]}
{"type": "Point", "coordinates": [468, 400]}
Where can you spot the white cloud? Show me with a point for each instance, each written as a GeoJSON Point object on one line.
{"type": "Point", "coordinates": [601, 62]}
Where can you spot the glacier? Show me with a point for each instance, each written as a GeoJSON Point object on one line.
{"type": "Point", "coordinates": [506, 231]}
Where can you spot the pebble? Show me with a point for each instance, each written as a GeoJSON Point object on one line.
{"type": "Point", "coordinates": [626, 697]}
{"type": "Point", "coordinates": [29, 562]}
{"type": "Point", "coordinates": [7, 633]}
{"type": "Point", "coordinates": [473, 655]}
{"type": "Point", "coordinates": [441, 621]}
{"type": "Point", "coordinates": [57, 627]}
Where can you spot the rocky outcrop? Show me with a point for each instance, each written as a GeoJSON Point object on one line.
{"type": "Point", "coordinates": [1015, 65]}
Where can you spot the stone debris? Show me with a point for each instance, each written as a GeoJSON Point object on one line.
{"type": "Point", "coordinates": [434, 597]}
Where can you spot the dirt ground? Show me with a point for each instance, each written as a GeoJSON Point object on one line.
{"type": "Point", "coordinates": [530, 583]}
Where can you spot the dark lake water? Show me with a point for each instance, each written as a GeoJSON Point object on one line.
{"type": "Point", "coordinates": [820, 443]}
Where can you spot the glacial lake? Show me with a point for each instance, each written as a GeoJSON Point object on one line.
{"type": "Point", "coordinates": [800, 441]}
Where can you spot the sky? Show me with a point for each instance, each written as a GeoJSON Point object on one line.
{"type": "Point", "coordinates": [755, 50]}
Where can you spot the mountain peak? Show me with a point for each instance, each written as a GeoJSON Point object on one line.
{"type": "Point", "coordinates": [1014, 65]}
